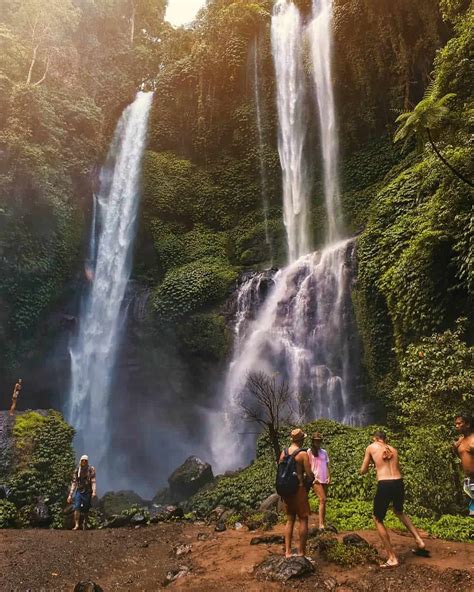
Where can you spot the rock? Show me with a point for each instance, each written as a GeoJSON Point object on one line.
{"type": "Point", "coordinates": [175, 574]}
{"type": "Point", "coordinates": [282, 569]}
{"type": "Point", "coordinates": [115, 502]}
{"type": "Point", "coordinates": [162, 497]}
{"type": "Point", "coordinates": [40, 516]}
{"type": "Point", "coordinates": [330, 584]}
{"type": "Point", "coordinates": [270, 503]}
{"type": "Point", "coordinates": [3, 491]}
{"type": "Point", "coordinates": [216, 513]}
{"type": "Point", "coordinates": [117, 522]}
{"type": "Point", "coordinates": [202, 536]}
{"type": "Point", "coordinates": [87, 586]}
{"type": "Point", "coordinates": [163, 513]}
{"type": "Point", "coordinates": [181, 550]}
{"type": "Point", "coordinates": [138, 520]}
{"type": "Point", "coordinates": [272, 539]}
{"type": "Point", "coordinates": [188, 479]}
{"type": "Point", "coordinates": [354, 540]}
{"type": "Point", "coordinates": [220, 527]}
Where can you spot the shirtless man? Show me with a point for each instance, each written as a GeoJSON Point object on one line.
{"type": "Point", "coordinates": [464, 449]}
{"type": "Point", "coordinates": [297, 504]}
{"type": "Point", "coordinates": [390, 489]}
{"type": "Point", "coordinates": [16, 391]}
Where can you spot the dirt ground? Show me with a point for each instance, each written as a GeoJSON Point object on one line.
{"type": "Point", "coordinates": [133, 560]}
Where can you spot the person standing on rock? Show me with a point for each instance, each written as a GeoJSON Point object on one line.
{"type": "Point", "coordinates": [83, 489]}
{"type": "Point", "coordinates": [319, 461]}
{"type": "Point", "coordinates": [16, 391]}
{"type": "Point", "coordinates": [297, 504]}
{"type": "Point", "coordinates": [390, 490]}
{"type": "Point", "coordinates": [464, 449]}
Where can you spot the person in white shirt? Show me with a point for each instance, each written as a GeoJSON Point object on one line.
{"type": "Point", "coordinates": [319, 461]}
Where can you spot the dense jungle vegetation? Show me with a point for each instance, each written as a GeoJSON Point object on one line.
{"type": "Point", "coordinates": [67, 72]}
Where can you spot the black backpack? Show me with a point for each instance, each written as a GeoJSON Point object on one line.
{"type": "Point", "coordinates": [287, 481]}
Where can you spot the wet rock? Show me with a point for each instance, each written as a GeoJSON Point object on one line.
{"type": "Point", "coordinates": [87, 586]}
{"type": "Point", "coordinates": [189, 478]}
{"type": "Point", "coordinates": [175, 574]}
{"type": "Point", "coordinates": [115, 502]}
{"type": "Point", "coordinates": [270, 503]}
{"type": "Point", "coordinates": [281, 569]}
{"type": "Point", "coordinates": [272, 539]}
{"type": "Point", "coordinates": [220, 527]}
{"type": "Point", "coordinates": [354, 540]}
{"type": "Point", "coordinates": [40, 516]}
{"type": "Point", "coordinates": [3, 491]}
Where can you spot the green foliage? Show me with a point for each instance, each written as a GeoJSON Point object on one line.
{"type": "Point", "coordinates": [242, 491]}
{"type": "Point", "coordinates": [44, 461]}
{"type": "Point", "coordinates": [205, 336]}
{"type": "Point", "coordinates": [8, 514]}
{"type": "Point", "coordinates": [347, 555]}
{"type": "Point", "coordinates": [192, 287]}
{"type": "Point", "coordinates": [437, 375]}
{"type": "Point", "coordinates": [453, 528]}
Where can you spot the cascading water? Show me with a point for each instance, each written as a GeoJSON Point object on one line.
{"type": "Point", "coordinates": [93, 351]}
{"type": "Point", "coordinates": [258, 112]}
{"type": "Point", "coordinates": [319, 32]}
{"type": "Point", "coordinates": [287, 32]}
{"type": "Point", "coordinates": [304, 330]}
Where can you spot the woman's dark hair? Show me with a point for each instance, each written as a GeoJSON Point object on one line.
{"type": "Point", "coordinates": [381, 435]}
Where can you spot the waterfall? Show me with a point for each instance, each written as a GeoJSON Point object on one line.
{"type": "Point", "coordinates": [287, 32]}
{"type": "Point", "coordinates": [94, 347]}
{"type": "Point", "coordinates": [320, 35]}
{"type": "Point", "coordinates": [263, 172]}
{"type": "Point", "coordinates": [304, 330]}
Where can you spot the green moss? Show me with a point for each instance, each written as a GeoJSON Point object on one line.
{"type": "Point", "coordinates": [191, 287]}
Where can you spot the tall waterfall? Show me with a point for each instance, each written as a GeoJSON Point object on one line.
{"type": "Point", "coordinates": [258, 111]}
{"type": "Point", "coordinates": [93, 350]}
{"type": "Point", "coordinates": [287, 32]}
{"type": "Point", "coordinates": [320, 35]}
{"type": "Point", "coordinates": [304, 329]}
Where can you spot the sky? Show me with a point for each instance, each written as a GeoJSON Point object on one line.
{"type": "Point", "coordinates": [182, 12]}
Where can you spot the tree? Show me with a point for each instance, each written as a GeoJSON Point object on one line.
{"type": "Point", "coordinates": [425, 121]}
{"type": "Point", "coordinates": [267, 402]}
{"type": "Point", "coordinates": [45, 31]}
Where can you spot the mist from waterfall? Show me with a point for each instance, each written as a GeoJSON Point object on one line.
{"type": "Point", "coordinates": [258, 114]}
{"type": "Point", "coordinates": [319, 32]}
{"type": "Point", "coordinates": [302, 332]}
{"type": "Point", "coordinates": [287, 32]}
{"type": "Point", "coordinates": [93, 349]}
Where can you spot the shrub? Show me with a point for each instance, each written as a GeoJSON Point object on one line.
{"type": "Point", "coordinates": [8, 514]}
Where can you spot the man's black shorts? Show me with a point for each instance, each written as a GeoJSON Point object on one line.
{"type": "Point", "coordinates": [389, 491]}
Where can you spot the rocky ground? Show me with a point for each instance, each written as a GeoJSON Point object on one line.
{"type": "Point", "coordinates": [139, 559]}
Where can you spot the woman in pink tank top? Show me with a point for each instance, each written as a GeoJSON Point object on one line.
{"type": "Point", "coordinates": [319, 460]}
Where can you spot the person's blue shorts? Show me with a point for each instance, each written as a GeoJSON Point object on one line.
{"type": "Point", "coordinates": [82, 501]}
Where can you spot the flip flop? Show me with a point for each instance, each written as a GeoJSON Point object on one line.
{"type": "Point", "coordinates": [421, 552]}
{"type": "Point", "coordinates": [388, 565]}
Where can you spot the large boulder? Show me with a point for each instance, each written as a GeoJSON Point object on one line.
{"type": "Point", "coordinates": [189, 478]}
{"type": "Point", "coordinates": [40, 516]}
{"type": "Point", "coordinates": [115, 502]}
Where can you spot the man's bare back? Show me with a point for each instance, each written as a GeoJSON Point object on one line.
{"type": "Point", "coordinates": [464, 448]}
{"type": "Point", "coordinates": [385, 459]}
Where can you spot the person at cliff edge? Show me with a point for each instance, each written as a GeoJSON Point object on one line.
{"type": "Point", "coordinates": [464, 449]}
{"type": "Point", "coordinates": [83, 489]}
